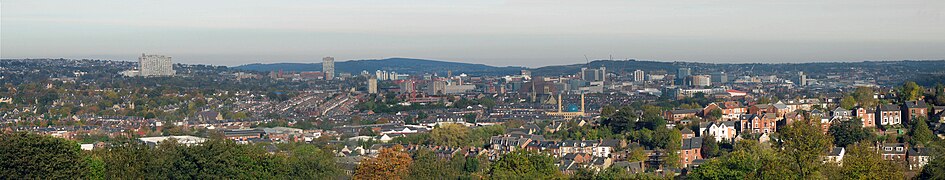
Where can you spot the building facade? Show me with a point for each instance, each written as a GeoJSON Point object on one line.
{"type": "Point", "coordinates": [155, 65]}
{"type": "Point", "coordinates": [328, 66]}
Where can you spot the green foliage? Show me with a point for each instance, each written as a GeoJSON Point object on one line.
{"type": "Point", "coordinates": [420, 138]}
{"type": "Point", "coordinates": [32, 156]}
{"type": "Point", "coordinates": [849, 132]}
{"type": "Point", "coordinates": [479, 136]}
{"type": "Point", "coordinates": [525, 165]}
{"type": "Point", "coordinates": [848, 102]}
{"type": "Point", "coordinates": [452, 135]}
{"type": "Point", "coordinates": [636, 154]}
{"type": "Point", "coordinates": [215, 159]}
{"type": "Point", "coordinates": [710, 147]}
{"type": "Point", "coordinates": [309, 162]}
{"type": "Point", "coordinates": [607, 111]}
{"type": "Point", "coordinates": [862, 162]}
{"type": "Point", "coordinates": [920, 132]}
{"type": "Point", "coordinates": [864, 97]}
{"type": "Point", "coordinates": [802, 146]}
{"type": "Point", "coordinates": [939, 97]}
{"type": "Point", "coordinates": [750, 160]}
{"type": "Point", "coordinates": [715, 114]}
{"type": "Point", "coordinates": [936, 167]}
{"type": "Point", "coordinates": [670, 141]}
{"type": "Point", "coordinates": [427, 166]}
{"type": "Point", "coordinates": [910, 91]}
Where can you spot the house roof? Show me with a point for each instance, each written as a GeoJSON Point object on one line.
{"type": "Point", "coordinates": [893, 148]}
{"type": "Point", "coordinates": [836, 151]}
{"type": "Point", "coordinates": [686, 111]}
{"type": "Point", "coordinates": [692, 143]}
{"type": "Point", "coordinates": [889, 107]}
{"type": "Point", "coordinates": [918, 152]}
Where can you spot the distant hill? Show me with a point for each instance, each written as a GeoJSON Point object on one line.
{"type": "Point", "coordinates": [399, 65]}
{"type": "Point", "coordinates": [613, 66]}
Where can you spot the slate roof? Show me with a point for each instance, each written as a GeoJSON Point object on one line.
{"type": "Point", "coordinates": [889, 107]}
{"type": "Point", "coordinates": [835, 151]}
{"type": "Point", "coordinates": [692, 143]}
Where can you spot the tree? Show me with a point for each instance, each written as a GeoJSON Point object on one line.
{"type": "Point", "coordinates": [308, 162]}
{"type": "Point", "coordinates": [750, 160]}
{"type": "Point", "coordinates": [427, 166]}
{"type": "Point", "coordinates": [801, 145]}
{"type": "Point", "coordinates": [920, 133]}
{"type": "Point", "coordinates": [607, 111]}
{"type": "Point", "coordinates": [524, 164]}
{"type": "Point", "coordinates": [934, 170]}
{"type": "Point", "coordinates": [715, 114]}
{"type": "Point", "coordinates": [862, 162]}
{"type": "Point", "coordinates": [710, 147]}
{"type": "Point", "coordinates": [910, 91]}
{"type": "Point", "coordinates": [670, 141]}
{"type": "Point", "coordinates": [470, 118]}
{"type": "Point", "coordinates": [33, 156]}
{"type": "Point", "coordinates": [621, 121]}
{"type": "Point", "coordinates": [636, 154]}
{"type": "Point", "coordinates": [864, 97]}
{"type": "Point", "coordinates": [939, 97]}
{"type": "Point", "coordinates": [848, 102]}
{"type": "Point", "coordinates": [849, 132]}
{"type": "Point", "coordinates": [487, 102]}
{"type": "Point", "coordinates": [450, 134]}
{"type": "Point", "coordinates": [391, 163]}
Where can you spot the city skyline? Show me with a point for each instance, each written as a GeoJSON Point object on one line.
{"type": "Point", "coordinates": [498, 33]}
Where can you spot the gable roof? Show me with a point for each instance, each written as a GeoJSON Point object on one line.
{"type": "Point", "coordinates": [692, 143]}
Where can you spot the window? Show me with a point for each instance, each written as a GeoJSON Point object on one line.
{"type": "Point", "coordinates": [888, 148]}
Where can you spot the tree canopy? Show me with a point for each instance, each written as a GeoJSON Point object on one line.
{"type": "Point", "coordinates": [32, 156]}
{"type": "Point", "coordinates": [390, 163]}
{"type": "Point", "coordinates": [525, 165]}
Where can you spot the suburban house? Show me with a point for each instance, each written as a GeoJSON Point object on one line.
{"type": "Point", "coordinates": [209, 116]}
{"type": "Point", "coordinates": [867, 116]}
{"type": "Point", "coordinates": [888, 114]}
{"type": "Point", "coordinates": [680, 114]}
{"type": "Point", "coordinates": [835, 155]}
{"type": "Point", "coordinates": [724, 130]}
{"type": "Point", "coordinates": [841, 114]}
{"type": "Point", "coordinates": [917, 158]}
{"type": "Point", "coordinates": [691, 150]}
{"type": "Point", "coordinates": [730, 109]}
{"type": "Point", "coordinates": [893, 151]}
{"type": "Point", "coordinates": [914, 109]}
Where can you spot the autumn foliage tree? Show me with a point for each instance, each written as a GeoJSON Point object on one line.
{"type": "Point", "coordinates": [391, 163]}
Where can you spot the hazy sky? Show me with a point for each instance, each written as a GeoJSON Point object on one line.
{"type": "Point", "coordinates": [514, 32]}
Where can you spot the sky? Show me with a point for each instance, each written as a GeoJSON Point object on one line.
{"type": "Point", "coordinates": [528, 33]}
